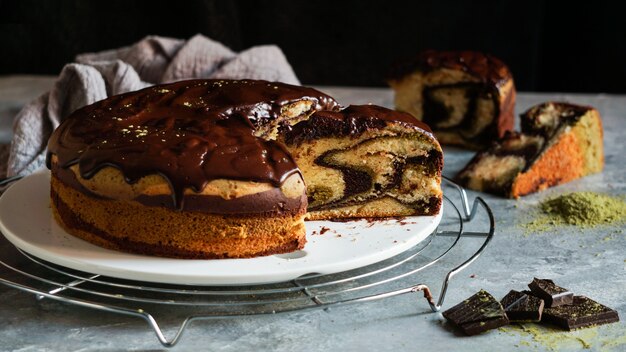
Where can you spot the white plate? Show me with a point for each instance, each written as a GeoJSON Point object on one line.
{"type": "Point", "coordinates": [26, 221]}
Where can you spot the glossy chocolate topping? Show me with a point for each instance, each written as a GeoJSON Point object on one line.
{"type": "Point", "coordinates": [270, 203]}
{"type": "Point", "coordinates": [484, 66]}
{"type": "Point", "coordinates": [190, 132]}
{"type": "Point", "coordinates": [351, 121]}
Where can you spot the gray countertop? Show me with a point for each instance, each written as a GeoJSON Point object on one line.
{"type": "Point", "coordinates": [590, 262]}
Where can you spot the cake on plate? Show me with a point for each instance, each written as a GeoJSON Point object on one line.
{"type": "Point", "coordinates": [201, 169]}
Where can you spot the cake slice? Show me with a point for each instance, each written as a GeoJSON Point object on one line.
{"type": "Point", "coordinates": [367, 161]}
{"type": "Point", "coordinates": [560, 142]}
{"type": "Point", "coordinates": [466, 97]}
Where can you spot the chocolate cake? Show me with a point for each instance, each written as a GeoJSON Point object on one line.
{"type": "Point", "coordinates": [559, 142]}
{"type": "Point", "coordinates": [367, 161]}
{"type": "Point", "coordinates": [466, 97]}
{"type": "Point", "coordinates": [186, 170]}
{"type": "Point", "coordinates": [194, 169]}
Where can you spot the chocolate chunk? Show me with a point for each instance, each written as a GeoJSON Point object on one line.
{"type": "Point", "coordinates": [552, 294]}
{"type": "Point", "coordinates": [521, 307]}
{"type": "Point", "coordinates": [477, 314]}
{"type": "Point", "coordinates": [581, 313]}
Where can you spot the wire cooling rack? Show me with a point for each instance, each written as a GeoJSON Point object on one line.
{"type": "Point", "coordinates": [392, 277]}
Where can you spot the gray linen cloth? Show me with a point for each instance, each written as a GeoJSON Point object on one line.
{"type": "Point", "coordinates": [152, 60]}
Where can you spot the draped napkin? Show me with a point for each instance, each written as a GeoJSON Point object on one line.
{"type": "Point", "coordinates": [153, 60]}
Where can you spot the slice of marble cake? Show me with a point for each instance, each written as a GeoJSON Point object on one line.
{"type": "Point", "coordinates": [367, 161]}
{"type": "Point", "coordinates": [559, 142]}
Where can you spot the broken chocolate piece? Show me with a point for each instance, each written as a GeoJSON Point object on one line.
{"type": "Point", "coordinates": [477, 314]}
{"type": "Point", "coordinates": [581, 313]}
{"type": "Point", "coordinates": [552, 294]}
{"type": "Point", "coordinates": [521, 307]}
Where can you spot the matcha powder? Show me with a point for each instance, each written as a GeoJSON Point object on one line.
{"type": "Point", "coordinates": [583, 209]}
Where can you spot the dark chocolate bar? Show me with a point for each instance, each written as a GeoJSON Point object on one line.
{"type": "Point", "coordinates": [521, 307]}
{"type": "Point", "coordinates": [552, 295]}
{"type": "Point", "coordinates": [581, 313]}
{"type": "Point", "coordinates": [477, 314]}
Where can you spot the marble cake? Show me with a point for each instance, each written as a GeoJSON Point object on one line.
{"type": "Point", "coordinates": [559, 142]}
{"type": "Point", "coordinates": [466, 97]}
{"type": "Point", "coordinates": [367, 161]}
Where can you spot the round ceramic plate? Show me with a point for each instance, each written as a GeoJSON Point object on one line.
{"type": "Point", "coordinates": [26, 220]}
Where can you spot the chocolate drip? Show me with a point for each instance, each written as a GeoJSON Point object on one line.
{"type": "Point", "coordinates": [271, 203]}
{"type": "Point", "coordinates": [190, 132]}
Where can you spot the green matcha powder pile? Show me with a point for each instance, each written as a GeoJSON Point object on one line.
{"type": "Point", "coordinates": [582, 209]}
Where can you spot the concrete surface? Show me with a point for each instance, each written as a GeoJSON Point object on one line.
{"type": "Point", "coordinates": [590, 262]}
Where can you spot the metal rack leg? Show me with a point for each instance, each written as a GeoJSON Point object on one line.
{"type": "Point", "coordinates": [488, 236]}
{"type": "Point", "coordinates": [69, 284]}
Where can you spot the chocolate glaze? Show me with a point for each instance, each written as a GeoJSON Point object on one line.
{"type": "Point", "coordinates": [352, 121]}
{"type": "Point", "coordinates": [483, 66]}
{"type": "Point", "coordinates": [267, 203]}
{"type": "Point", "coordinates": [190, 132]}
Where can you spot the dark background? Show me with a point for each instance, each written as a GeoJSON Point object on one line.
{"type": "Point", "coordinates": [549, 45]}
